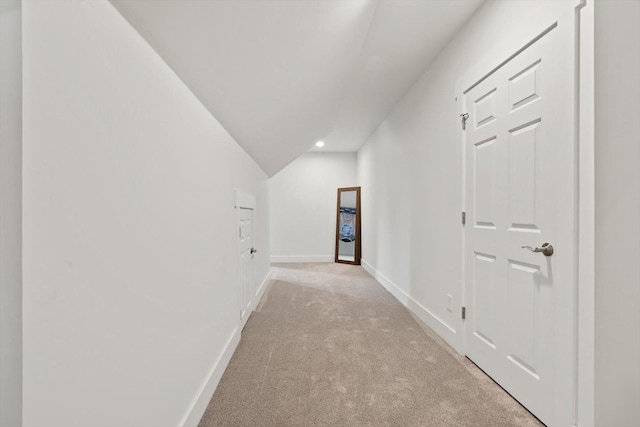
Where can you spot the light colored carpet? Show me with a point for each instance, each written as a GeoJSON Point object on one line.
{"type": "Point", "coordinates": [329, 346]}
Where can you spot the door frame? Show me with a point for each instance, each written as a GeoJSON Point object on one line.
{"type": "Point", "coordinates": [580, 18]}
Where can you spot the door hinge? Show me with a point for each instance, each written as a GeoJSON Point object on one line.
{"type": "Point", "coordinates": [464, 116]}
{"type": "Point", "coordinates": [464, 313]}
{"type": "Point", "coordinates": [464, 218]}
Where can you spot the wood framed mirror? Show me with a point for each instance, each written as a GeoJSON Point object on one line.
{"type": "Point", "coordinates": [348, 242]}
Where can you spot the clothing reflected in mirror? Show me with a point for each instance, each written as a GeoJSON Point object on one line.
{"type": "Point", "coordinates": [348, 226]}
{"type": "Point", "coordinates": [347, 243]}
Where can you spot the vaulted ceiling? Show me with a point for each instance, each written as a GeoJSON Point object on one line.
{"type": "Point", "coordinates": [280, 75]}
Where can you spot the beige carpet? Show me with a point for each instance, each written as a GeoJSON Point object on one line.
{"type": "Point", "coordinates": [329, 346]}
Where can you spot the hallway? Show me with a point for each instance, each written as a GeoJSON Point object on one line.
{"type": "Point", "coordinates": [136, 136]}
{"type": "Point", "coordinates": [328, 345]}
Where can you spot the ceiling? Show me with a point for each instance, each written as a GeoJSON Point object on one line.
{"type": "Point", "coordinates": [280, 75]}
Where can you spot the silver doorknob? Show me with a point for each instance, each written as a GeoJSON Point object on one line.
{"type": "Point", "coordinates": [546, 249]}
{"type": "Point", "coordinates": [254, 250]}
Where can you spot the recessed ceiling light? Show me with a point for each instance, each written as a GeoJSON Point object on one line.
{"type": "Point", "coordinates": [319, 144]}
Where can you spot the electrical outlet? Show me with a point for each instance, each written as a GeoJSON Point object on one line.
{"type": "Point", "coordinates": [450, 302]}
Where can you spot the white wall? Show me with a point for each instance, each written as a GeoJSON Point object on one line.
{"type": "Point", "coordinates": [303, 206]}
{"type": "Point", "coordinates": [413, 159]}
{"type": "Point", "coordinates": [388, 205]}
{"type": "Point", "coordinates": [10, 213]}
{"type": "Point", "coordinates": [411, 167]}
{"type": "Point", "coordinates": [130, 251]}
{"type": "Point", "coordinates": [617, 168]}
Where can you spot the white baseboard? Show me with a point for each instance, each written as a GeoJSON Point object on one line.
{"type": "Point", "coordinates": [200, 403]}
{"type": "Point", "coordinates": [261, 289]}
{"type": "Point", "coordinates": [302, 258]}
{"type": "Point", "coordinates": [256, 301]}
{"type": "Point", "coordinates": [443, 329]}
{"type": "Point", "coordinates": [194, 415]}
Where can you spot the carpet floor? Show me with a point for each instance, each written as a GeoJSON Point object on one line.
{"type": "Point", "coordinates": [329, 346]}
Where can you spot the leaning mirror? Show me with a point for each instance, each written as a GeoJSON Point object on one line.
{"type": "Point", "coordinates": [348, 226]}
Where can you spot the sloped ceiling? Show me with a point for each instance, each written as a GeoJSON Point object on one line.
{"type": "Point", "coordinates": [280, 75]}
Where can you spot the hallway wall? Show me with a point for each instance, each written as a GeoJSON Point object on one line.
{"type": "Point", "coordinates": [617, 168]}
{"type": "Point", "coordinates": [414, 159]}
{"type": "Point", "coordinates": [411, 170]}
{"type": "Point", "coordinates": [10, 213]}
{"type": "Point", "coordinates": [130, 233]}
{"type": "Point", "coordinates": [303, 206]}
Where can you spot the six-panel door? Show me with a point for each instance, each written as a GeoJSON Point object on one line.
{"type": "Point", "coordinates": [515, 144]}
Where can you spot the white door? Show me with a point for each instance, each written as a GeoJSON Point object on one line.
{"type": "Point", "coordinates": [245, 234]}
{"type": "Point", "coordinates": [519, 192]}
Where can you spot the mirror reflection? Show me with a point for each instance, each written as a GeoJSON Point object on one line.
{"type": "Point", "coordinates": [348, 229]}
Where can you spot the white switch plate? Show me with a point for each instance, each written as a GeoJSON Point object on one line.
{"type": "Point", "coordinates": [449, 302]}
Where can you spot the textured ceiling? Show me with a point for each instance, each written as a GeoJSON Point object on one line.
{"type": "Point", "coordinates": [281, 74]}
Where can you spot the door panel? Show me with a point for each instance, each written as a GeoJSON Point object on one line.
{"type": "Point", "coordinates": [523, 177]}
{"type": "Point", "coordinates": [485, 183]}
{"type": "Point", "coordinates": [484, 282]}
{"type": "Point", "coordinates": [523, 315]}
{"type": "Point", "coordinates": [485, 109]}
{"type": "Point", "coordinates": [523, 87]}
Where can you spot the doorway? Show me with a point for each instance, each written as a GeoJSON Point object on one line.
{"type": "Point", "coordinates": [245, 207]}
{"type": "Point", "coordinates": [245, 231]}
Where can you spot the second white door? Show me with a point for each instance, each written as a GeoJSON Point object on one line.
{"type": "Point", "coordinates": [245, 232]}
